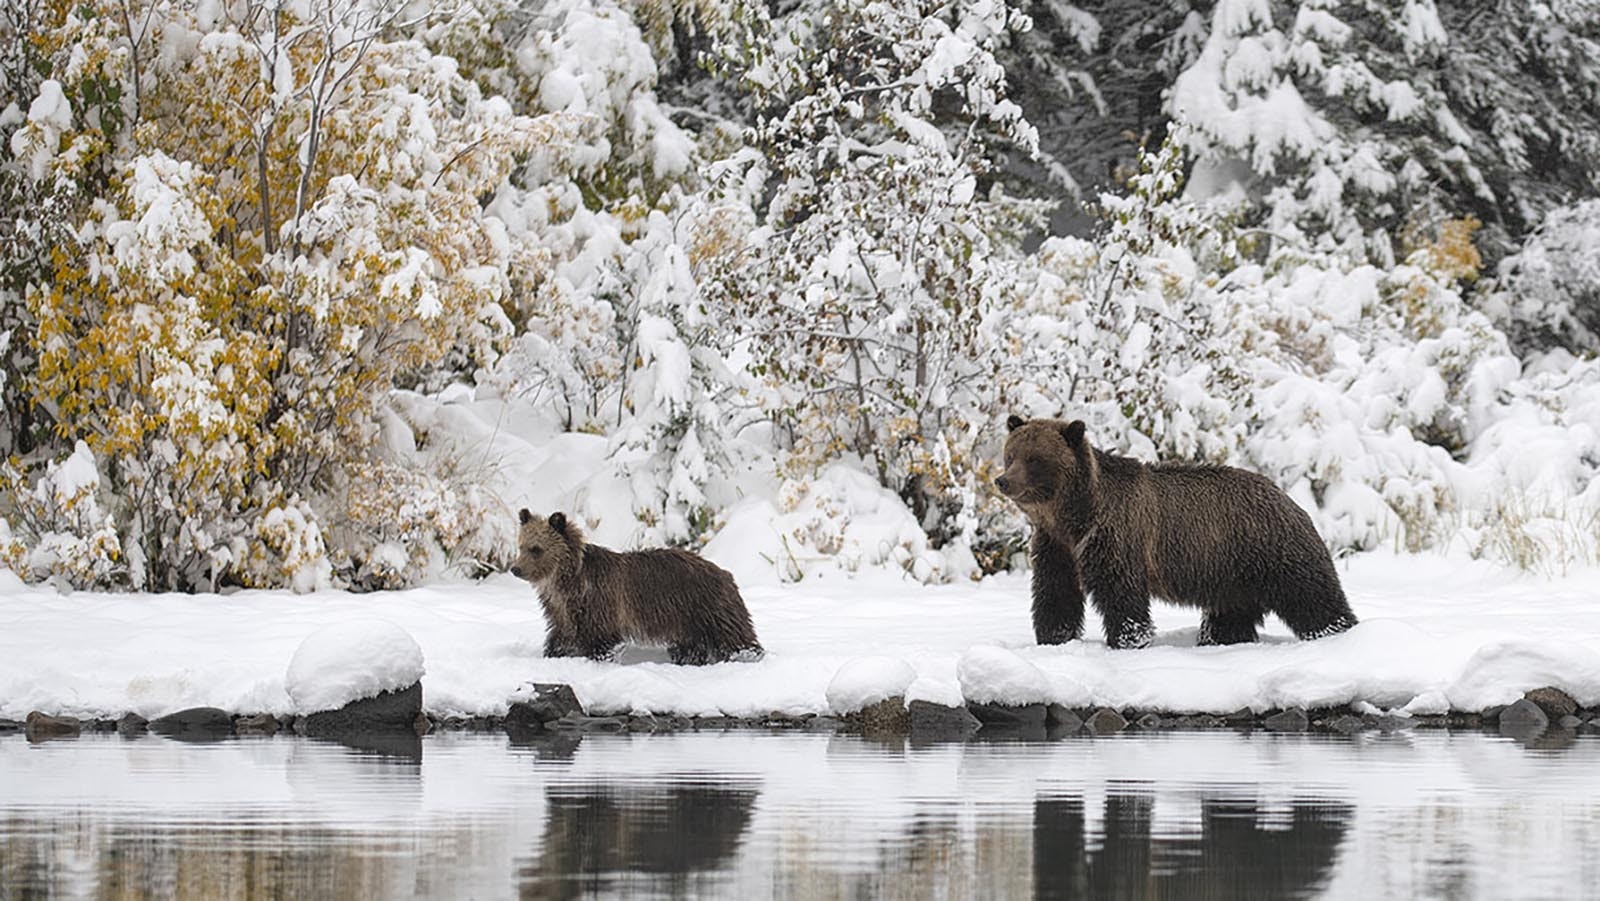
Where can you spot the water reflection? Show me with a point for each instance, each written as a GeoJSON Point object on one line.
{"type": "Point", "coordinates": [800, 816]}
{"type": "Point", "coordinates": [1240, 850]}
{"type": "Point", "coordinates": [670, 837]}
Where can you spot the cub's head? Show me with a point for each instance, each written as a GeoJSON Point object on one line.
{"type": "Point", "coordinates": [1044, 460]}
{"type": "Point", "coordinates": [546, 547]}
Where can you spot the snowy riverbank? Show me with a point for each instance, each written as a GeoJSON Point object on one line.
{"type": "Point", "coordinates": [1436, 634]}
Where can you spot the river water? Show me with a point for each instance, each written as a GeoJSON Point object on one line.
{"type": "Point", "coordinates": [751, 815]}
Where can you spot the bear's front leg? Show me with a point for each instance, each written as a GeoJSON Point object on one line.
{"type": "Point", "coordinates": [1123, 598]}
{"type": "Point", "coordinates": [1057, 592]}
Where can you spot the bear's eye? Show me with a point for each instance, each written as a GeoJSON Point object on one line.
{"type": "Point", "coordinates": [538, 551]}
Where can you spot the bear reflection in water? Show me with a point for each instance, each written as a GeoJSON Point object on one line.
{"type": "Point", "coordinates": [1239, 850]}
{"type": "Point", "coordinates": [686, 838]}
{"type": "Point", "coordinates": [667, 832]}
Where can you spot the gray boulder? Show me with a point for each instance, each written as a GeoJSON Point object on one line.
{"type": "Point", "coordinates": [1027, 716]}
{"type": "Point", "coordinates": [389, 711]}
{"type": "Point", "coordinates": [1106, 721]}
{"type": "Point", "coordinates": [550, 702]}
{"type": "Point", "coordinates": [1523, 720]}
{"type": "Point", "coordinates": [194, 724]}
{"type": "Point", "coordinates": [1062, 719]}
{"type": "Point", "coordinates": [930, 722]}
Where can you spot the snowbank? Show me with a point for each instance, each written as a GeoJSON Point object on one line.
{"type": "Point", "coordinates": [349, 661]}
{"type": "Point", "coordinates": [1435, 631]}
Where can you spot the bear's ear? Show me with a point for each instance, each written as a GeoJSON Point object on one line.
{"type": "Point", "coordinates": [1014, 422]}
{"type": "Point", "coordinates": [558, 521]}
{"type": "Point", "coordinates": [524, 516]}
{"type": "Point", "coordinates": [1073, 432]}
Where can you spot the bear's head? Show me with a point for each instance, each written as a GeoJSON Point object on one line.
{"type": "Point", "coordinates": [1045, 461]}
{"type": "Point", "coordinates": [546, 547]}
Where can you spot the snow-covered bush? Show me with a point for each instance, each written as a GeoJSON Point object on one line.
{"type": "Point", "coordinates": [61, 529]}
{"type": "Point", "coordinates": [861, 295]}
{"type": "Point", "coordinates": [1129, 331]}
{"type": "Point", "coordinates": [293, 228]}
{"type": "Point", "coordinates": [836, 519]}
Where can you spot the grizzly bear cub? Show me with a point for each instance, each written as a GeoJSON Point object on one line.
{"type": "Point", "coordinates": [1214, 537]}
{"type": "Point", "coordinates": [594, 599]}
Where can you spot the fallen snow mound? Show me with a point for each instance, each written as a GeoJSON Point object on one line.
{"type": "Point", "coordinates": [867, 680]}
{"type": "Point", "coordinates": [350, 661]}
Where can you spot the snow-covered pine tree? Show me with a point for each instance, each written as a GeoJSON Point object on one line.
{"type": "Point", "coordinates": [1353, 120]}
{"type": "Point", "coordinates": [1328, 114]}
{"type": "Point", "coordinates": [1090, 76]}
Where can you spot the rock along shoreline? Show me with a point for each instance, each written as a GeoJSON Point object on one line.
{"type": "Point", "coordinates": [1544, 717]}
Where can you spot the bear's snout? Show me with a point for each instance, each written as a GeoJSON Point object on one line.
{"type": "Point", "coordinates": [1004, 484]}
{"type": "Point", "coordinates": [519, 571]}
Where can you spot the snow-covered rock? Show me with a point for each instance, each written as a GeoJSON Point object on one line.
{"type": "Point", "coordinates": [867, 680]}
{"type": "Point", "coordinates": [350, 661]}
{"type": "Point", "coordinates": [994, 675]}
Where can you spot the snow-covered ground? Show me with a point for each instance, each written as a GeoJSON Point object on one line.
{"type": "Point", "coordinates": [1436, 633]}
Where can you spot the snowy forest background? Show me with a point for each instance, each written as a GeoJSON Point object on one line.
{"type": "Point", "coordinates": [310, 293]}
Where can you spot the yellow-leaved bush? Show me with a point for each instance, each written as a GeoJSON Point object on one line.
{"type": "Point", "coordinates": [292, 229]}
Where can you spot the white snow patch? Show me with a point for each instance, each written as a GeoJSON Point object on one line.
{"type": "Point", "coordinates": [349, 661]}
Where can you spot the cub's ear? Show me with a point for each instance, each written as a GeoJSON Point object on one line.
{"type": "Point", "coordinates": [524, 516]}
{"type": "Point", "coordinates": [558, 521]}
{"type": "Point", "coordinates": [1014, 422]}
{"type": "Point", "coordinates": [1073, 432]}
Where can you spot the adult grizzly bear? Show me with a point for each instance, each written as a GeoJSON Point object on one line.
{"type": "Point", "coordinates": [1214, 537]}
{"type": "Point", "coordinates": [594, 599]}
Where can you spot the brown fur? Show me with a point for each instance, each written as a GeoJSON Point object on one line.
{"type": "Point", "coordinates": [1222, 539]}
{"type": "Point", "coordinates": [594, 599]}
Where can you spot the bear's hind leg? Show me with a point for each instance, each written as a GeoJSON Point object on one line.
{"type": "Point", "coordinates": [1229, 627]}
{"type": "Point", "coordinates": [603, 650]}
{"type": "Point", "coordinates": [558, 643]}
{"type": "Point", "coordinates": [1318, 613]}
{"type": "Point", "coordinates": [1057, 593]}
{"type": "Point", "coordinates": [1310, 630]}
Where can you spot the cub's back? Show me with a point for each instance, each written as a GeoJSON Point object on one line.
{"type": "Point", "coordinates": [659, 592]}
